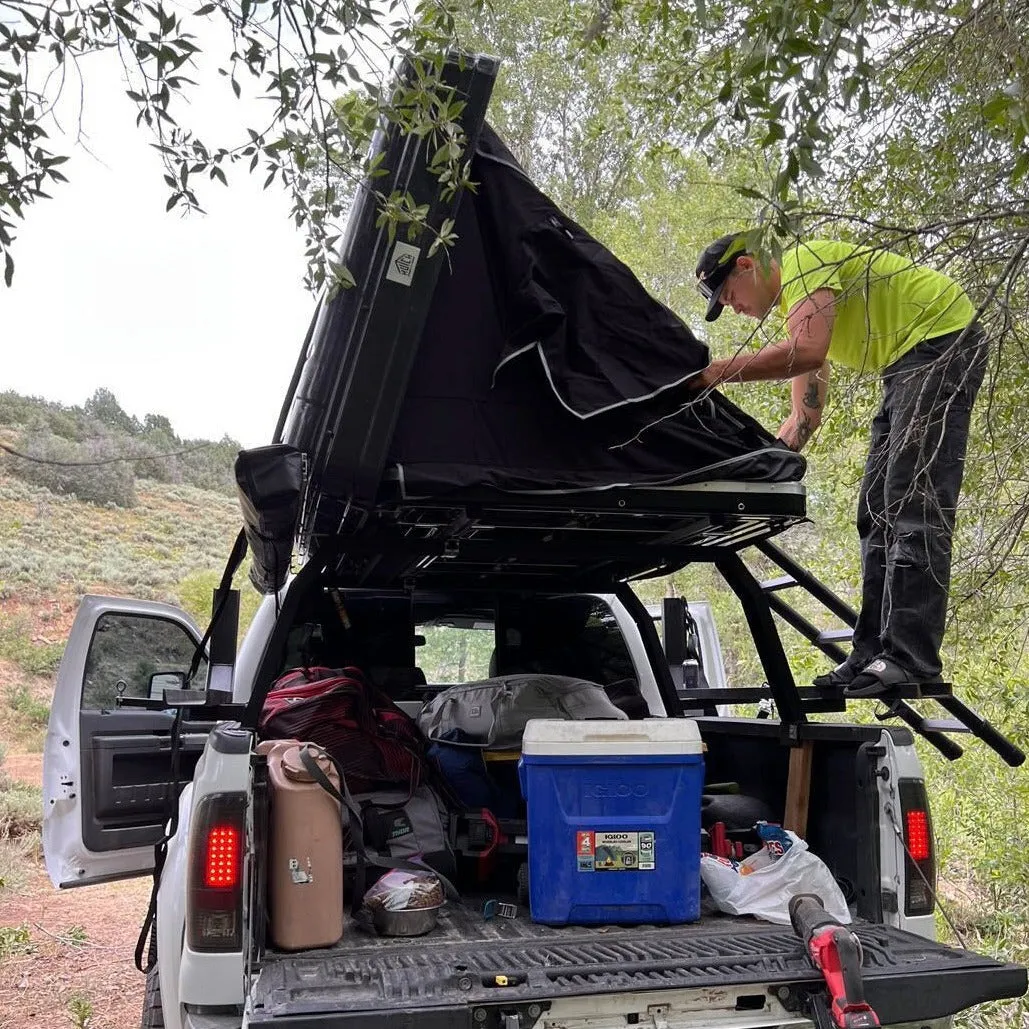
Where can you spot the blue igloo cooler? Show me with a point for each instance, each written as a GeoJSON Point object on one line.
{"type": "Point", "coordinates": [614, 820]}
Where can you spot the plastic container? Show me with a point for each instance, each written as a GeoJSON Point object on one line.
{"type": "Point", "coordinates": [613, 820]}
{"type": "Point", "coordinates": [305, 869]}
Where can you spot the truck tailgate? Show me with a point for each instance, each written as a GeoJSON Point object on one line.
{"type": "Point", "coordinates": [451, 975]}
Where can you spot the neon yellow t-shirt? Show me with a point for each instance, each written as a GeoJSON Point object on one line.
{"type": "Point", "coordinates": [885, 303]}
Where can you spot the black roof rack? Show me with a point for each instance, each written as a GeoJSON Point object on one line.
{"type": "Point", "coordinates": [586, 541]}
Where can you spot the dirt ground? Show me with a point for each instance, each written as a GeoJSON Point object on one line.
{"type": "Point", "coordinates": [76, 968]}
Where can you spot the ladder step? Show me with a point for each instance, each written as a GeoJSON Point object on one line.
{"type": "Point", "coordinates": [835, 635]}
{"type": "Point", "coordinates": [918, 691]}
{"type": "Point", "coordinates": [784, 582]}
{"type": "Point", "coordinates": [943, 725]}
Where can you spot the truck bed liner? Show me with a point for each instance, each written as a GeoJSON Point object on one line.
{"type": "Point", "coordinates": [454, 968]}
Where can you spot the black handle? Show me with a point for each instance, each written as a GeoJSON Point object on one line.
{"type": "Point", "coordinates": [848, 948]}
{"type": "Point", "coordinates": [808, 915]}
{"type": "Point", "coordinates": [943, 743]}
{"type": "Point", "coordinates": [1011, 754]}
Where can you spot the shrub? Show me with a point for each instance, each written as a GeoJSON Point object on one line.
{"type": "Point", "coordinates": [17, 858]}
{"type": "Point", "coordinates": [21, 807]}
{"type": "Point", "coordinates": [103, 484]}
{"type": "Point", "coordinates": [33, 711]}
{"type": "Point", "coordinates": [211, 468]}
{"type": "Point", "coordinates": [35, 658]}
{"type": "Point", "coordinates": [194, 593]}
{"type": "Point", "coordinates": [48, 425]}
{"type": "Point", "coordinates": [70, 422]}
{"type": "Point", "coordinates": [14, 941]}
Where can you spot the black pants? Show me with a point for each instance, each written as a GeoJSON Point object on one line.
{"type": "Point", "coordinates": [908, 499]}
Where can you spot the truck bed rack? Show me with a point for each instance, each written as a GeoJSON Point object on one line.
{"type": "Point", "coordinates": [794, 703]}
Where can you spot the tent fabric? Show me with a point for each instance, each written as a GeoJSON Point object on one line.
{"type": "Point", "coordinates": [544, 365]}
{"type": "Point", "coordinates": [566, 300]}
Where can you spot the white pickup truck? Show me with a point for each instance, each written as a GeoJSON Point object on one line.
{"type": "Point", "coordinates": [403, 475]}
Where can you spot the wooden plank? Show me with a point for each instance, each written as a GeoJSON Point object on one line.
{"type": "Point", "coordinates": [798, 789]}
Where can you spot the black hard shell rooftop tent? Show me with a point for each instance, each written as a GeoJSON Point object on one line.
{"type": "Point", "coordinates": [517, 402]}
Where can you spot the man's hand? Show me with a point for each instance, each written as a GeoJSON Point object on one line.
{"type": "Point", "coordinates": [708, 378]}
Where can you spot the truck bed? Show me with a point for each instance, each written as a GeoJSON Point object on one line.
{"type": "Point", "coordinates": [450, 974]}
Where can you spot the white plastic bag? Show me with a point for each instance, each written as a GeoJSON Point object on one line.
{"type": "Point", "coordinates": [766, 891]}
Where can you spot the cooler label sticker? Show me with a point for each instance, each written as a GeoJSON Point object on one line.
{"type": "Point", "coordinates": [614, 851]}
{"type": "Point", "coordinates": [585, 846]}
{"type": "Point", "coordinates": [646, 852]}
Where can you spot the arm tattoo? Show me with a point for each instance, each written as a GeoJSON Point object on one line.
{"type": "Point", "coordinates": [804, 428]}
{"type": "Point", "coordinates": [811, 398]}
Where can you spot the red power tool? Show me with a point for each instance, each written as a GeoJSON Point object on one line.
{"type": "Point", "coordinates": [836, 952]}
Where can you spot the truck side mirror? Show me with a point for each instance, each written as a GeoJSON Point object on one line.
{"type": "Point", "coordinates": [162, 682]}
{"type": "Point", "coordinates": [170, 689]}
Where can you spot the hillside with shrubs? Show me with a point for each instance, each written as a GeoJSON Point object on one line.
{"type": "Point", "coordinates": [97, 452]}
{"type": "Point", "coordinates": [94, 501]}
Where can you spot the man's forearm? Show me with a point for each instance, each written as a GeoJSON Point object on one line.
{"type": "Point", "coordinates": [808, 393]}
{"type": "Point", "coordinates": [784, 360]}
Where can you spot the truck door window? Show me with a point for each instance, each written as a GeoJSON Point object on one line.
{"type": "Point", "coordinates": [126, 650]}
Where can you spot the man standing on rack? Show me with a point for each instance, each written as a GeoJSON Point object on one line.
{"type": "Point", "coordinates": [874, 311]}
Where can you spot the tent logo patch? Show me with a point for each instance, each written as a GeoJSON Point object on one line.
{"type": "Point", "coordinates": [402, 263]}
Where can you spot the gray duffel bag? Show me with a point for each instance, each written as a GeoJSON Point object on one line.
{"type": "Point", "coordinates": [492, 713]}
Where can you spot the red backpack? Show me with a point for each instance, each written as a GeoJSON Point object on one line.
{"type": "Point", "coordinates": [374, 742]}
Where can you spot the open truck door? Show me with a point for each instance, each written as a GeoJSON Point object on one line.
{"type": "Point", "coordinates": [108, 757]}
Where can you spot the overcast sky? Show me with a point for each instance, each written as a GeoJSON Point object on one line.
{"type": "Point", "coordinates": [200, 319]}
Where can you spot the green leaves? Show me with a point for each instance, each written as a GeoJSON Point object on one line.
{"type": "Point", "coordinates": [297, 54]}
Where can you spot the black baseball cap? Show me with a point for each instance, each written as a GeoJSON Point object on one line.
{"type": "Point", "coordinates": [714, 268]}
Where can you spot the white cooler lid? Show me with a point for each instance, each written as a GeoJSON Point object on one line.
{"type": "Point", "coordinates": [651, 736]}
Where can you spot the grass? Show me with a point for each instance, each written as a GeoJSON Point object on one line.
{"type": "Point", "coordinates": [17, 857]}
{"type": "Point", "coordinates": [20, 646]}
{"type": "Point", "coordinates": [15, 941]}
{"type": "Point", "coordinates": [80, 1010]}
{"type": "Point", "coordinates": [24, 714]}
{"type": "Point", "coordinates": [34, 712]}
{"type": "Point", "coordinates": [21, 807]}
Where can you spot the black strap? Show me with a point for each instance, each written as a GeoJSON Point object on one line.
{"type": "Point", "coordinates": [351, 815]}
{"type": "Point", "coordinates": [694, 650]}
{"type": "Point", "coordinates": [161, 847]}
{"type": "Point", "coordinates": [272, 661]}
{"type": "Point", "coordinates": [239, 551]}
